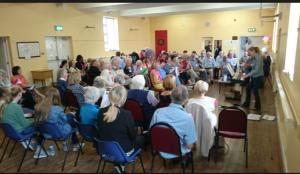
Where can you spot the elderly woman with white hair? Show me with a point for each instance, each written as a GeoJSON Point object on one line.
{"type": "Point", "coordinates": [89, 110]}
{"type": "Point", "coordinates": [144, 97]}
{"type": "Point", "coordinates": [117, 124]}
{"type": "Point", "coordinates": [203, 110]}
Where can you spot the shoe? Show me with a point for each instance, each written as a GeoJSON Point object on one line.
{"type": "Point", "coordinates": [42, 154]}
{"type": "Point", "coordinates": [24, 144]}
{"type": "Point", "coordinates": [76, 147]}
{"type": "Point", "coordinates": [51, 150]}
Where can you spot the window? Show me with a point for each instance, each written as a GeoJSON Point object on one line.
{"type": "Point", "coordinates": [292, 38]}
{"type": "Point", "coordinates": [111, 33]}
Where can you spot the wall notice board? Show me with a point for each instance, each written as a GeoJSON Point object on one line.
{"type": "Point", "coordinates": [27, 50]}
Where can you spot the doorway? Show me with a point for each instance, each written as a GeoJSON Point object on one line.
{"type": "Point", "coordinates": [161, 41]}
{"type": "Point", "coordinates": [58, 48]}
{"type": "Point", "coordinates": [207, 43]}
{"type": "Point", "coordinates": [5, 57]}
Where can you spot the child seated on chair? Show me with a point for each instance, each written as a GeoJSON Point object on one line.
{"type": "Point", "coordinates": [50, 110]}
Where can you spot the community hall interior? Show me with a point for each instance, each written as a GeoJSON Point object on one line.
{"type": "Point", "coordinates": [149, 87]}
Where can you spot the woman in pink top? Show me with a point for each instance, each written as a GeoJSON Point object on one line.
{"type": "Point", "coordinates": [18, 78]}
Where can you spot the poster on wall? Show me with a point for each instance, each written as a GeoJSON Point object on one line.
{"type": "Point", "coordinates": [28, 50]}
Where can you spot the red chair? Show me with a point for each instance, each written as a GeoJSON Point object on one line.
{"type": "Point", "coordinates": [136, 110]}
{"type": "Point", "coordinates": [233, 124]}
{"type": "Point", "coordinates": [71, 101]}
{"type": "Point", "coordinates": [164, 138]}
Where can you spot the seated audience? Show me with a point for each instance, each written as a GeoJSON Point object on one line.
{"type": "Point", "coordinates": [117, 124]}
{"type": "Point", "coordinates": [89, 110]}
{"type": "Point", "coordinates": [107, 74]}
{"type": "Point", "coordinates": [134, 57]}
{"type": "Point", "coordinates": [62, 83]}
{"type": "Point", "coordinates": [4, 99]}
{"type": "Point", "coordinates": [30, 94]}
{"type": "Point", "coordinates": [146, 98]}
{"type": "Point", "coordinates": [224, 67]}
{"type": "Point", "coordinates": [18, 78]}
{"type": "Point", "coordinates": [80, 63]}
{"type": "Point", "coordinates": [128, 70]}
{"type": "Point", "coordinates": [50, 110]}
{"type": "Point", "coordinates": [4, 79]}
{"type": "Point", "coordinates": [155, 77]}
{"type": "Point", "coordinates": [209, 64]}
{"type": "Point", "coordinates": [218, 61]}
{"type": "Point", "coordinates": [209, 103]}
{"type": "Point", "coordinates": [93, 71]}
{"type": "Point", "coordinates": [139, 68]}
{"type": "Point", "coordinates": [179, 119]}
{"type": "Point", "coordinates": [203, 109]}
{"type": "Point", "coordinates": [74, 80]}
{"type": "Point", "coordinates": [72, 67]}
{"type": "Point", "coordinates": [169, 84]}
{"type": "Point", "coordinates": [12, 113]}
{"type": "Point", "coordinates": [63, 65]}
{"type": "Point", "coordinates": [103, 100]}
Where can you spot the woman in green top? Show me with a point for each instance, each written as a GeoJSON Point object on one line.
{"type": "Point", "coordinates": [13, 113]}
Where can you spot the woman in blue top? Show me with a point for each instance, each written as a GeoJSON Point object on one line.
{"type": "Point", "coordinates": [89, 110]}
{"type": "Point", "coordinates": [50, 110]}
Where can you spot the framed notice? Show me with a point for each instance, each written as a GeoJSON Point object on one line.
{"type": "Point", "coordinates": [28, 50]}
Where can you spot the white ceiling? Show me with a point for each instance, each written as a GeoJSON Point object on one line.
{"type": "Point", "coordinates": [158, 9]}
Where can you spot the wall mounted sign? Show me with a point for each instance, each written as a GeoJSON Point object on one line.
{"type": "Point", "coordinates": [59, 28]}
{"type": "Point", "coordinates": [252, 29]}
{"type": "Point", "coordinates": [27, 50]}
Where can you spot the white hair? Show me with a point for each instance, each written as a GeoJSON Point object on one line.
{"type": "Point", "coordinates": [138, 82]}
{"type": "Point", "coordinates": [201, 87]}
{"type": "Point", "coordinates": [91, 94]}
{"type": "Point", "coordinates": [100, 82]}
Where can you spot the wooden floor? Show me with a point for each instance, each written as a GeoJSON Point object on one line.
{"type": "Point", "coordinates": [264, 151]}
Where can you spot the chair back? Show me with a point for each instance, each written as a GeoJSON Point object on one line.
{"type": "Point", "coordinates": [71, 100]}
{"type": "Point", "coordinates": [164, 138]}
{"type": "Point", "coordinates": [50, 131]}
{"type": "Point", "coordinates": [11, 132]}
{"type": "Point", "coordinates": [135, 108]}
{"type": "Point", "coordinates": [87, 131]}
{"type": "Point", "coordinates": [111, 151]}
{"type": "Point", "coordinates": [233, 119]}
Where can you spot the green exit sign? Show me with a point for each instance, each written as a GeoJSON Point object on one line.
{"type": "Point", "coordinates": [252, 29]}
{"type": "Point", "coordinates": [59, 28]}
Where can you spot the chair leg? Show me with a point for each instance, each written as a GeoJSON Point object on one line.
{"type": "Point", "coordinates": [57, 146]}
{"type": "Point", "coordinates": [4, 150]}
{"type": "Point", "coordinates": [152, 162]}
{"type": "Point", "coordinates": [192, 161]}
{"type": "Point", "coordinates": [99, 164]}
{"type": "Point", "coordinates": [25, 152]}
{"type": "Point", "coordinates": [12, 149]}
{"type": "Point", "coordinates": [165, 163]}
{"type": "Point", "coordinates": [182, 165]}
{"type": "Point", "coordinates": [42, 144]}
{"type": "Point", "coordinates": [216, 149]}
{"type": "Point", "coordinates": [103, 167]}
{"type": "Point", "coordinates": [133, 168]}
{"type": "Point", "coordinates": [78, 152]}
{"type": "Point", "coordinates": [66, 154]}
{"type": "Point", "coordinates": [142, 164]}
{"type": "Point", "coordinates": [246, 144]}
{"type": "Point", "coordinates": [3, 141]}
